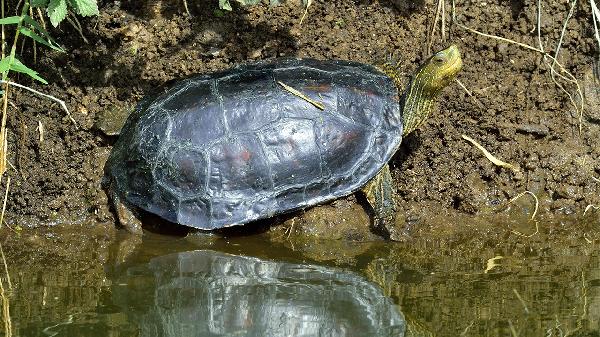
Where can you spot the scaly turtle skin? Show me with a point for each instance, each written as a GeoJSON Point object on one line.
{"type": "Point", "coordinates": [228, 148]}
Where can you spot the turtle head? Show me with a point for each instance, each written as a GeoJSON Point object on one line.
{"type": "Point", "coordinates": [440, 69]}
{"type": "Point", "coordinates": [433, 76]}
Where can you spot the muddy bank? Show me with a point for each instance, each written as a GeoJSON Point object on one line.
{"type": "Point", "coordinates": [515, 110]}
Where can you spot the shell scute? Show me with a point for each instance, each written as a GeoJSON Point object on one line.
{"type": "Point", "coordinates": [341, 143]}
{"type": "Point", "coordinates": [238, 168]}
{"type": "Point", "coordinates": [189, 125]}
{"type": "Point", "coordinates": [192, 211]}
{"type": "Point", "coordinates": [289, 146]}
{"type": "Point", "coordinates": [193, 95]}
{"type": "Point", "coordinates": [182, 170]}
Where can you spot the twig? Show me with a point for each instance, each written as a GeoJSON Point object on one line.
{"type": "Point", "coordinates": [75, 23]}
{"type": "Point", "coordinates": [489, 156]}
{"type": "Point", "coordinates": [60, 102]}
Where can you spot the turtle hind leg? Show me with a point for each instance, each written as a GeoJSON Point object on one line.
{"type": "Point", "coordinates": [380, 194]}
{"type": "Point", "coordinates": [125, 215]}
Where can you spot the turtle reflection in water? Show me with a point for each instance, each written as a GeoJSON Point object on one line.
{"type": "Point", "coordinates": [206, 293]}
{"type": "Point", "coordinates": [228, 148]}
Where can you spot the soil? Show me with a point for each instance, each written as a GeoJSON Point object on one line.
{"type": "Point", "coordinates": [511, 105]}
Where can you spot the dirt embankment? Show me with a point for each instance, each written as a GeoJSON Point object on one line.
{"type": "Point", "coordinates": [511, 104]}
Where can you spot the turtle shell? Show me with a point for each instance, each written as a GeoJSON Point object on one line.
{"type": "Point", "coordinates": [228, 148]}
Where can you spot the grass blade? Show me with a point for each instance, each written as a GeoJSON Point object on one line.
{"type": "Point", "coordinates": [21, 68]}
{"type": "Point", "coordinates": [27, 19]}
{"type": "Point", "coordinates": [11, 20]}
{"type": "Point", "coordinates": [39, 39]}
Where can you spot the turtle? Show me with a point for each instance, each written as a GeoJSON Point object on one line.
{"type": "Point", "coordinates": [227, 148]}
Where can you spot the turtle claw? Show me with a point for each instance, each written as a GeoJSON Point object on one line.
{"type": "Point", "coordinates": [125, 215]}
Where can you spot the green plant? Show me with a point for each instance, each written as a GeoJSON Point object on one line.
{"type": "Point", "coordinates": [26, 25]}
{"type": "Point", "coordinates": [57, 9]}
{"type": "Point", "coordinates": [29, 27]}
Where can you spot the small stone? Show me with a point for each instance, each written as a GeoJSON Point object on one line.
{"type": "Point", "coordinates": [502, 48]}
{"type": "Point", "coordinates": [257, 53]}
{"type": "Point", "coordinates": [111, 120]}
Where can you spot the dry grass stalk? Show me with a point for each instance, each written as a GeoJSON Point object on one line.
{"type": "Point", "coordinates": [466, 330]}
{"type": "Point", "coordinates": [440, 10]}
{"type": "Point", "coordinates": [521, 300]}
{"type": "Point", "coordinates": [5, 303]}
{"type": "Point", "coordinates": [295, 92]}
{"type": "Point", "coordinates": [537, 205]}
{"type": "Point", "coordinates": [60, 102]}
{"type": "Point", "coordinates": [489, 156]}
{"type": "Point", "coordinates": [588, 207]}
{"type": "Point", "coordinates": [491, 263]}
{"type": "Point", "coordinates": [5, 200]}
{"type": "Point", "coordinates": [185, 6]}
{"type": "Point", "coordinates": [537, 202]}
{"type": "Point", "coordinates": [308, 3]}
{"type": "Point", "coordinates": [5, 311]}
{"type": "Point", "coordinates": [77, 25]}
{"type": "Point", "coordinates": [5, 268]}
{"type": "Point", "coordinates": [40, 129]}
{"type": "Point", "coordinates": [3, 133]}
{"type": "Point", "coordinates": [512, 329]}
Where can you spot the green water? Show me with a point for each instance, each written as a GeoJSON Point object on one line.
{"type": "Point", "coordinates": [72, 285]}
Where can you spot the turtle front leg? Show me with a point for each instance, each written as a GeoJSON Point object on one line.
{"type": "Point", "coordinates": [380, 194]}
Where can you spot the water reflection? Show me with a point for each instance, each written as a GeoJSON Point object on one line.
{"type": "Point", "coordinates": [206, 293]}
{"type": "Point", "coordinates": [69, 285]}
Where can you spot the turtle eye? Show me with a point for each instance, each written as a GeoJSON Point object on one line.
{"type": "Point", "coordinates": [439, 59]}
